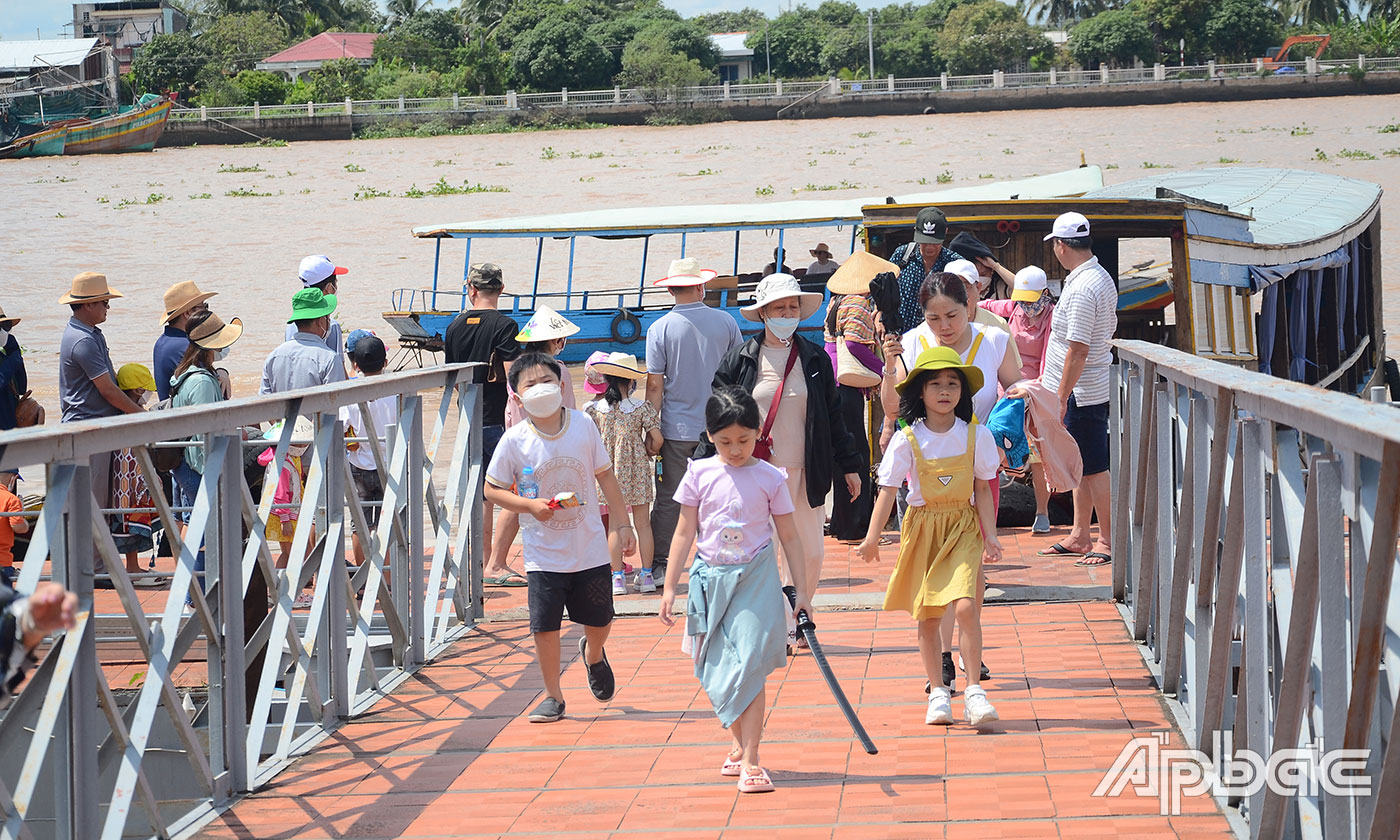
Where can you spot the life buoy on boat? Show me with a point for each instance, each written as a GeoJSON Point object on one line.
{"type": "Point", "coordinates": [625, 327]}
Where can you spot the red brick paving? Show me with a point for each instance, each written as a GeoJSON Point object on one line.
{"type": "Point", "coordinates": [450, 754]}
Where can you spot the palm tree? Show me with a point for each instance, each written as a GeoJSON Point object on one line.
{"type": "Point", "coordinates": [1061, 12]}
{"type": "Point", "coordinates": [401, 10]}
{"type": "Point", "coordinates": [483, 16]}
{"type": "Point", "coordinates": [1385, 10]}
{"type": "Point", "coordinates": [1307, 12]}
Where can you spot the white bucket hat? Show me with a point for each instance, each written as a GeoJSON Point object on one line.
{"type": "Point", "coordinates": [779, 286]}
{"type": "Point", "coordinates": [1030, 284]}
{"type": "Point", "coordinates": [546, 324]}
{"type": "Point", "coordinates": [686, 271]}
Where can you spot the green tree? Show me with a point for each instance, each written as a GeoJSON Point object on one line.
{"type": "Point", "coordinates": [746, 19]}
{"type": "Point", "coordinates": [262, 87]}
{"type": "Point", "coordinates": [559, 53]}
{"type": "Point", "coordinates": [426, 40]}
{"type": "Point", "coordinates": [524, 15]}
{"type": "Point", "coordinates": [237, 42]}
{"type": "Point", "coordinates": [906, 39]}
{"type": "Point", "coordinates": [652, 64]}
{"type": "Point", "coordinates": [1114, 37]}
{"type": "Point", "coordinates": [170, 62]}
{"type": "Point", "coordinates": [481, 69]}
{"type": "Point", "coordinates": [333, 81]}
{"type": "Point", "coordinates": [794, 40]}
{"type": "Point", "coordinates": [1313, 12]}
{"type": "Point", "coordinates": [1240, 30]}
{"type": "Point", "coordinates": [1173, 21]}
{"type": "Point", "coordinates": [399, 11]}
{"type": "Point", "coordinates": [988, 36]}
{"type": "Point", "coordinates": [1381, 36]}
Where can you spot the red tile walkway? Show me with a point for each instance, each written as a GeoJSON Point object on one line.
{"type": "Point", "coordinates": [450, 754]}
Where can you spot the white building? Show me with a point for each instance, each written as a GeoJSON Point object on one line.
{"type": "Point", "coordinates": [735, 59]}
{"type": "Point", "coordinates": [125, 25]}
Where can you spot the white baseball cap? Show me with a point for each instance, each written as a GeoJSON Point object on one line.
{"type": "Point", "coordinates": [965, 269]}
{"type": "Point", "coordinates": [318, 268]}
{"type": "Point", "coordinates": [1069, 225]}
{"type": "Point", "coordinates": [1030, 284]}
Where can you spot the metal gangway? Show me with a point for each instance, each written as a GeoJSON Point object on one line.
{"type": "Point", "coordinates": [232, 690]}
{"type": "Point", "coordinates": [1255, 526]}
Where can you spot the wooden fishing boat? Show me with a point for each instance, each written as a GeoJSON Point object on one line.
{"type": "Point", "coordinates": [43, 143]}
{"type": "Point", "coordinates": [613, 319]}
{"type": "Point", "coordinates": [1277, 270]}
{"type": "Point", "coordinates": [134, 130]}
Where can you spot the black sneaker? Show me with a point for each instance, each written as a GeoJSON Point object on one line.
{"type": "Point", "coordinates": [986, 675]}
{"type": "Point", "coordinates": [950, 671]}
{"type": "Point", "coordinates": [548, 711]}
{"type": "Point", "coordinates": [600, 676]}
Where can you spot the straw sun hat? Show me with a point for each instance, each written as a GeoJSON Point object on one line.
{"type": "Point", "coordinates": [181, 297]}
{"type": "Point", "coordinates": [855, 274]}
{"type": "Point", "coordinates": [686, 271]}
{"type": "Point", "coordinates": [213, 334]}
{"type": "Point", "coordinates": [776, 287]}
{"type": "Point", "coordinates": [89, 287]}
{"type": "Point", "coordinates": [6, 322]}
{"type": "Point", "coordinates": [621, 364]}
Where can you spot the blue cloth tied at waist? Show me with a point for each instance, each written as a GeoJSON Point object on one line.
{"type": "Point", "coordinates": [736, 616]}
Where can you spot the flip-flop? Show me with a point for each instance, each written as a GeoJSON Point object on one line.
{"type": "Point", "coordinates": [759, 782]}
{"type": "Point", "coordinates": [1058, 550]}
{"type": "Point", "coordinates": [1094, 558]}
{"type": "Point", "coordinates": [509, 579]}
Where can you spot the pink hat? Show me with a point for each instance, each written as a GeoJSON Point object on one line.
{"type": "Point", "coordinates": [592, 380]}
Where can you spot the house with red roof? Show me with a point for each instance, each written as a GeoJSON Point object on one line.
{"type": "Point", "coordinates": [313, 52]}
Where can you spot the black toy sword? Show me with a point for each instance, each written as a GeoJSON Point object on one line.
{"type": "Point", "coordinates": [808, 629]}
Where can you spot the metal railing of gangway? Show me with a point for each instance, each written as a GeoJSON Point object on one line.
{"type": "Point", "coordinates": [1254, 529]}
{"type": "Point", "coordinates": [86, 756]}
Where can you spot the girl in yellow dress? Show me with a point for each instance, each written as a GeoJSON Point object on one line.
{"type": "Point", "coordinates": [948, 460]}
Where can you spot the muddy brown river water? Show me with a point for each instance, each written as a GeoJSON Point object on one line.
{"type": "Point", "coordinates": [66, 215]}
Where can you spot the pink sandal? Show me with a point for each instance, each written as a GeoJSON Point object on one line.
{"type": "Point", "coordinates": [732, 766]}
{"type": "Point", "coordinates": [758, 782]}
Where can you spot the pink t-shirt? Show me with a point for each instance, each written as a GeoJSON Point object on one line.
{"type": "Point", "coordinates": [734, 503]}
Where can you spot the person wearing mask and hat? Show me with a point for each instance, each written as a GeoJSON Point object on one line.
{"type": "Point", "coordinates": [824, 266]}
{"type": "Point", "coordinates": [546, 332]}
{"type": "Point", "coordinates": [182, 301]}
{"type": "Point", "coordinates": [919, 258]}
{"type": "Point", "coordinates": [14, 379]}
{"type": "Point", "coordinates": [684, 349]}
{"type": "Point", "coordinates": [87, 381]}
{"type": "Point", "coordinates": [804, 429]}
{"type": "Point", "coordinates": [1077, 359]}
{"type": "Point", "coordinates": [196, 382]}
{"type": "Point", "coordinates": [976, 314]}
{"type": "Point", "coordinates": [485, 335]}
{"type": "Point", "coordinates": [318, 272]}
{"type": "Point", "coordinates": [304, 360]}
{"type": "Point", "coordinates": [1028, 312]}
{"type": "Point", "coordinates": [850, 319]}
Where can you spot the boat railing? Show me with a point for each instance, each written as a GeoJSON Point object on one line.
{"type": "Point", "coordinates": [1254, 524]}
{"type": "Point", "coordinates": [146, 718]}
{"type": "Point", "coordinates": [785, 91]}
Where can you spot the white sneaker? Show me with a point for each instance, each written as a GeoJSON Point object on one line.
{"type": "Point", "coordinates": [940, 707]}
{"type": "Point", "coordinates": [979, 711]}
{"type": "Point", "coordinates": [645, 581]}
{"type": "Point", "coordinates": [619, 580]}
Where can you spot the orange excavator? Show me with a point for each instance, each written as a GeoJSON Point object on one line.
{"type": "Point", "coordinates": [1279, 55]}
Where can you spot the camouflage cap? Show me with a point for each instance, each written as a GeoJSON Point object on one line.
{"type": "Point", "coordinates": [485, 276]}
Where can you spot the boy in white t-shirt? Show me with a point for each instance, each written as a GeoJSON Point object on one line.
{"type": "Point", "coordinates": [567, 558]}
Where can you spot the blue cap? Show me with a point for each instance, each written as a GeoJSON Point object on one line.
{"type": "Point", "coordinates": [354, 338]}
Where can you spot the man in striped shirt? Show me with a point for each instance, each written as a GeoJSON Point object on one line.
{"type": "Point", "coordinates": [1077, 357]}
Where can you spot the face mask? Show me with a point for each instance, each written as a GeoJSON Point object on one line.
{"type": "Point", "coordinates": [4, 336]}
{"type": "Point", "coordinates": [542, 400]}
{"type": "Point", "coordinates": [221, 354]}
{"type": "Point", "coordinates": [145, 398]}
{"type": "Point", "coordinates": [1034, 309]}
{"type": "Point", "coordinates": [296, 450]}
{"type": "Point", "coordinates": [783, 328]}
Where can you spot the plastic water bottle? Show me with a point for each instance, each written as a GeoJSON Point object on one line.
{"type": "Point", "coordinates": [529, 488]}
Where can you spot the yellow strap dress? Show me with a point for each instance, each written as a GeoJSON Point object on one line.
{"type": "Point", "coordinates": [940, 544]}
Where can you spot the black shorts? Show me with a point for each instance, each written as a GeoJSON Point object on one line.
{"type": "Point", "coordinates": [587, 594]}
{"type": "Point", "coordinates": [370, 489]}
{"type": "Point", "coordinates": [490, 437]}
{"type": "Point", "coordinates": [1088, 425]}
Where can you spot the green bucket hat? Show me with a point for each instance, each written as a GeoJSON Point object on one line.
{"type": "Point", "coordinates": [311, 303]}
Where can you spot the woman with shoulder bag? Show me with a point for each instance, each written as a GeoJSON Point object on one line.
{"type": "Point", "coordinates": [803, 431]}
{"type": "Point", "coordinates": [195, 382]}
{"type": "Point", "coordinates": [851, 344]}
